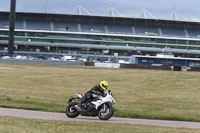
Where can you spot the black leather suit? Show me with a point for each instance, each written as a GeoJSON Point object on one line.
{"type": "Point", "coordinates": [94, 90]}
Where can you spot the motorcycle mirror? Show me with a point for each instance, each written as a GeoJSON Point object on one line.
{"type": "Point", "coordinates": [109, 91]}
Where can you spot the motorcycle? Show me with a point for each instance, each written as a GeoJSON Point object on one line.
{"type": "Point", "coordinates": [99, 106]}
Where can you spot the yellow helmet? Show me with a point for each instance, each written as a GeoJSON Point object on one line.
{"type": "Point", "coordinates": [104, 85]}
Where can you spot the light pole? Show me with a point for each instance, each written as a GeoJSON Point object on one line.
{"type": "Point", "coordinates": [11, 27]}
{"type": "Point", "coordinates": [46, 6]}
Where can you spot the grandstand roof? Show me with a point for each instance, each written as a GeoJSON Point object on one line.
{"type": "Point", "coordinates": [101, 19]}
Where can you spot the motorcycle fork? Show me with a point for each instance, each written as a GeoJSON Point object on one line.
{"type": "Point", "coordinates": [104, 107]}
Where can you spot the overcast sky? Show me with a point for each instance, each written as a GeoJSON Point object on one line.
{"type": "Point", "coordinates": [186, 9]}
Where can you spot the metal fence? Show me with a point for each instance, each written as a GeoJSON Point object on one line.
{"type": "Point", "coordinates": [14, 61]}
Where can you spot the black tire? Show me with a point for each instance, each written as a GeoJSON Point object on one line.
{"type": "Point", "coordinates": [71, 111]}
{"type": "Point", "coordinates": [107, 116]}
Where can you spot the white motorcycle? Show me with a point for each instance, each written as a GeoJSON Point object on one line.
{"type": "Point", "coordinates": [99, 106]}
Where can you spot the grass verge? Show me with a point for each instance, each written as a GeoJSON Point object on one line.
{"type": "Point", "coordinates": [19, 125]}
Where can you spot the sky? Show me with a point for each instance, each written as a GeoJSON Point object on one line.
{"type": "Point", "coordinates": [185, 9]}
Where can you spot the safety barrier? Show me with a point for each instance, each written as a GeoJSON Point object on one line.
{"type": "Point", "coordinates": [139, 66]}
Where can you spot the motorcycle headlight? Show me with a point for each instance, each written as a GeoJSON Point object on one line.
{"type": "Point", "coordinates": [112, 101]}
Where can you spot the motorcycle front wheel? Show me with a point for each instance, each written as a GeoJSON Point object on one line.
{"type": "Point", "coordinates": [71, 111]}
{"type": "Point", "coordinates": [107, 113]}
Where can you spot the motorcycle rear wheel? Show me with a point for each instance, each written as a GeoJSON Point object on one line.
{"type": "Point", "coordinates": [71, 111]}
{"type": "Point", "coordinates": [105, 115]}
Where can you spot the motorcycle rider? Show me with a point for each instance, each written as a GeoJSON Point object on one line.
{"type": "Point", "coordinates": [98, 89]}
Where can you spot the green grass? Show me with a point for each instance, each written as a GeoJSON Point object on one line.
{"type": "Point", "coordinates": [19, 125]}
{"type": "Point", "coordinates": [138, 93]}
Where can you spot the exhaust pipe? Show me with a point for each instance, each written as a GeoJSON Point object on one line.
{"type": "Point", "coordinates": [78, 108]}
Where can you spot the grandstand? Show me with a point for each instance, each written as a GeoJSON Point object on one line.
{"type": "Point", "coordinates": [100, 35]}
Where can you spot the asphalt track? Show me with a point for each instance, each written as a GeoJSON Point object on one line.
{"type": "Point", "coordinates": [61, 116]}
